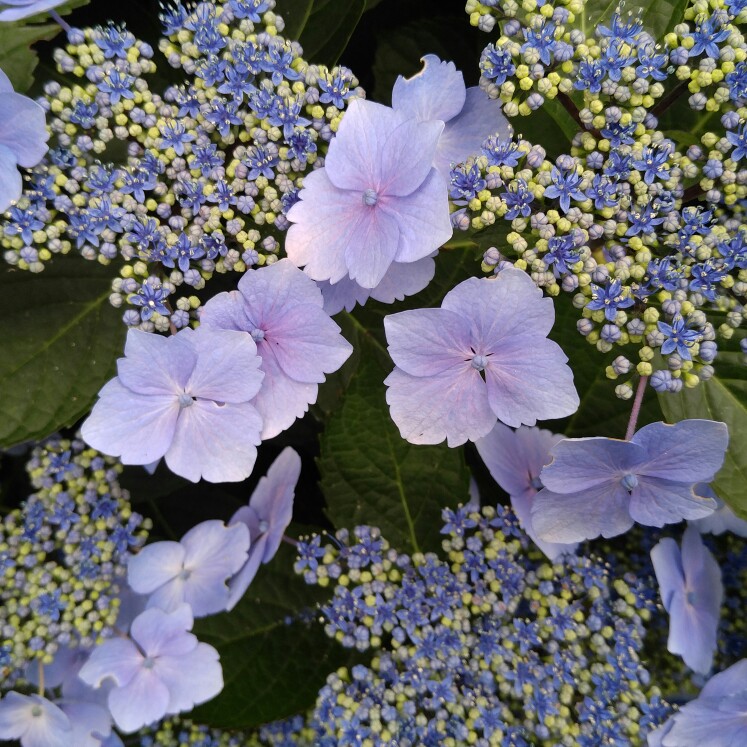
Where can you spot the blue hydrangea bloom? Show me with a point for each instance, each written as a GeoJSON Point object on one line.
{"type": "Point", "coordinates": [484, 355]}
{"type": "Point", "coordinates": [194, 570]}
{"type": "Point", "coordinates": [23, 139]}
{"type": "Point", "coordinates": [160, 669]}
{"type": "Point", "coordinates": [186, 398]}
{"type": "Point", "coordinates": [378, 199]}
{"type": "Point", "coordinates": [716, 718]}
{"type": "Point", "coordinates": [515, 460]}
{"type": "Point", "coordinates": [266, 517]}
{"type": "Point", "coordinates": [438, 92]}
{"type": "Point", "coordinates": [34, 720]}
{"type": "Point", "coordinates": [281, 309]}
{"type": "Point", "coordinates": [691, 591]}
{"type": "Point", "coordinates": [601, 486]}
{"type": "Point", "coordinates": [15, 10]}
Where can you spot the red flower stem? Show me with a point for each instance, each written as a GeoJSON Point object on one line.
{"type": "Point", "coordinates": [637, 402]}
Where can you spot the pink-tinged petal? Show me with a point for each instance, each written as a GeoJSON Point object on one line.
{"type": "Point", "coordinates": [692, 634]}
{"type": "Point", "coordinates": [226, 311]}
{"type": "Point", "coordinates": [238, 585]}
{"type": "Point", "coordinates": [215, 442]}
{"type": "Point", "coordinates": [506, 307]}
{"type": "Point", "coordinates": [688, 451]}
{"type": "Point", "coordinates": [34, 720]}
{"type": "Point", "coordinates": [11, 183]}
{"type": "Point", "coordinates": [272, 499]}
{"type": "Point", "coordinates": [23, 128]}
{"type": "Point", "coordinates": [436, 92]}
{"type": "Point", "coordinates": [116, 658]}
{"type": "Point", "coordinates": [371, 252]}
{"type": "Point", "coordinates": [380, 149]}
{"type": "Point", "coordinates": [325, 222]}
{"type": "Point", "coordinates": [585, 514]}
{"type": "Point", "coordinates": [269, 291]}
{"type": "Point", "coordinates": [581, 463]}
{"type": "Point", "coordinates": [134, 427]}
{"type": "Point", "coordinates": [281, 399]}
{"type": "Point", "coordinates": [451, 406]}
{"type": "Point", "coordinates": [306, 343]}
{"type": "Point", "coordinates": [160, 633]}
{"type": "Point", "coordinates": [87, 720]}
{"type": "Point", "coordinates": [156, 365]}
{"type": "Point", "coordinates": [404, 279]}
{"type": "Point", "coordinates": [227, 368]}
{"type": "Point", "coordinates": [143, 701]}
{"type": "Point", "coordinates": [667, 562]}
{"type": "Point", "coordinates": [655, 502]}
{"type": "Point", "coordinates": [422, 219]}
{"type": "Point", "coordinates": [345, 294]}
{"type": "Point", "coordinates": [464, 135]}
{"type": "Point", "coordinates": [528, 380]}
{"type": "Point", "coordinates": [155, 565]}
{"type": "Point", "coordinates": [191, 679]}
{"type": "Point", "coordinates": [516, 458]}
{"type": "Point", "coordinates": [426, 342]}
{"type": "Point", "coordinates": [522, 505]}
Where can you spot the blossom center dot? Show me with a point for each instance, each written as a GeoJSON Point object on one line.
{"type": "Point", "coordinates": [370, 197]}
{"type": "Point", "coordinates": [149, 662]}
{"type": "Point", "coordinates": [36, 711]}
{"type": "Point", "coordinates": [184, 574]}
{"type": "Point", "coordinates": [479, 362]}
{"type": "Point", "coordinates": [629, 482]}
{"type": "Point", "coordinates": [185, 400]}
{"type": "Point", "coordinates": [257, 334]}
{"type": "Point", "coordinates": [263, 526]}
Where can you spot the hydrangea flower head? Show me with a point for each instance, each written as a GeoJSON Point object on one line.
{"type": "Point", "coordinates": [515, 460]}
{"type": "Point", "coordinates": [186, 398]}
{"type": "Point", "coordinates": [23, 138]}
{"type": "Point", "coordinates": [717, 717]}
{"type": "Point", "coordinates": [601, 486]}
{"type": "Point", "coordinates": [15, 10]}
{"type": "Point", "coordinates": [266, 517]}
{"type": "Point", "coordinates": [193, 570]}
{"type": "Point", "coordinates": [281, 309]}
{"type": "Point", "coordinates": [692, 592]}
{"type": "Point", "coordinates": [484, 355]}
{"type": "Point", "coordinates": [438, 92]}
{"type": "Point", "coordinates": [378, 199]}
{"type": "Point", "coordinates": [160, 669]}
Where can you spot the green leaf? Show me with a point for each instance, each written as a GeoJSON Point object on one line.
{"type": "Point", "coordinates": [600, 413]}
{"type": "Point", "coordinates": [722, 398]}
{"type": "Point", "coordinates": [296, 14]}
{"type": "Point", "coordinates": [272, 668]}
{"type": "Point", "coordinates": [61, 338]}
{"type": "Point", "coordinates": [329, 29]}
{"type": "Point", "coordinates": [17, 59]}
{"type": "Point", "coordinates": [370, 475]}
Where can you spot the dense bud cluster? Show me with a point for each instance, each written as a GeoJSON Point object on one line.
{"type": "Point", "coordinates": [63, 555]}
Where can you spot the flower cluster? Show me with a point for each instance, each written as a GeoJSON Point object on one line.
{"type": "Point", "coordinates": [63, 556]}
{"type": "Point", "coordinates": [208, 168]}
{"type": "Point", "coordinates": [641, 224]}
{"type": "Point", "coordinates": [485, 644]}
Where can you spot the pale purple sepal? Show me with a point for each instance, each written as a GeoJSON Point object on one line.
{"type": "Point", "coordinates": [15, 10]}
{"type": "Point", "coordinates": [266, 517]}
{"type": "Point", "coordinates": [723, 519]}
{"type": "Point", "coordinates": [160, 670]}
{"type": "Point", "coordinates": [91, 722]}
{"type": "Point", "coordinates": [461, 367]}
{"type": "Point", "coordinates": [35, 721]}
{"type": "Point", "coordinates": [194, 570]}
{"type": "Point", "coordinates": [281, 308]}
{"type": "Point", "coordinates": [691, 591]}
{"type": "Point", "coordinates": [376, 201]}
{"type": "Point", "coordinates": [186, 398]}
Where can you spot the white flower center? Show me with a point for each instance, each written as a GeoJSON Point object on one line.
{"type": "Point", "coordinates": [370, 197]}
